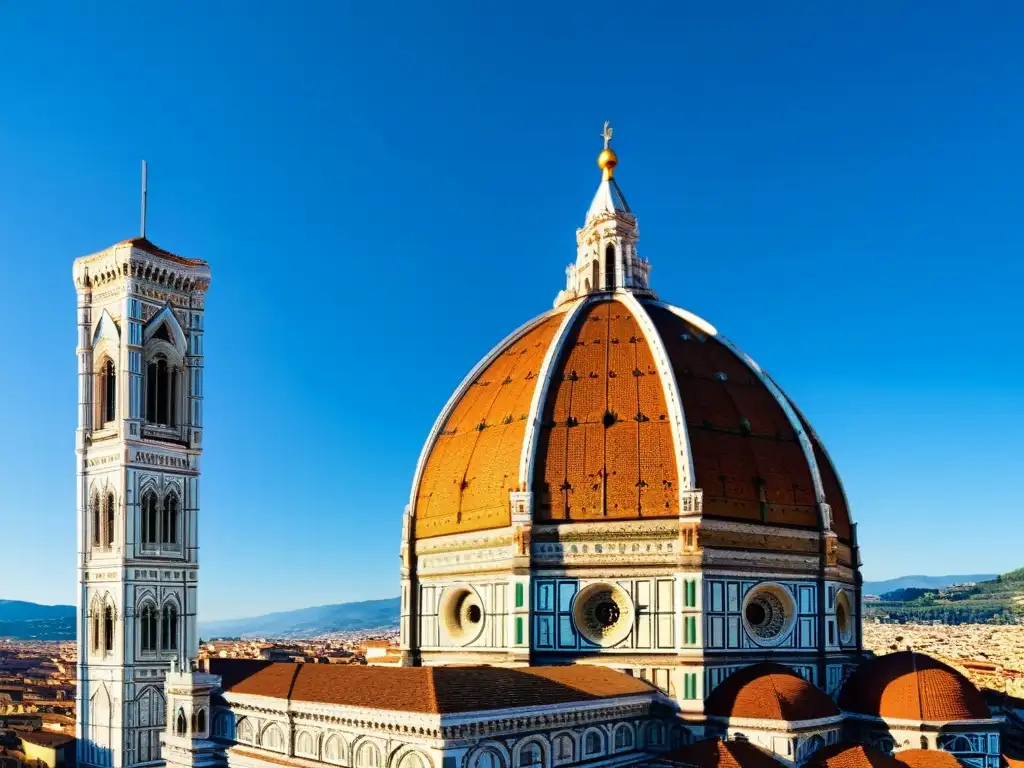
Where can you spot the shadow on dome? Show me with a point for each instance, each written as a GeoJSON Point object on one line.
{"type": "Point", "coordinates": [769, 691]}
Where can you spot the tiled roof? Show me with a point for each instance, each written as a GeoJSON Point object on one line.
{"type": "Point", "coordinates": [437, 690]}
{"type": "Point", "coordinates": [927, 758]}
{"type": "Point", "coordinates": [769, 691]}
{"type": "Point", "coordinates": [746, 455]}
{"type": "Point", "coordinates": [851, 756]}
{"type": "Point", "coordinates": [912, 686]}
{"type": "Point", "coordinates": [605, 445]}
{"type": "Point", "coordinates": [715, 753]}
{"type": "Point", "coordinates": [474, 462]}
{"type": "Point", "coordinates": [142, 244]}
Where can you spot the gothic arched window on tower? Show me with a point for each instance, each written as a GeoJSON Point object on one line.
{"type": "Point", "coordinates": [108, 520]}
{"type": "Point", "coordinates": [169, 628]}
{"type": "Point", "coordinates": [96, 520]}
{"type": "Point", "coordinates": [161, 392]}
{"type": "Point", "coordinates": [609, 267]}
{"type": "Point", "coordinates": [108, 628]}
{"type": "Point", "coordinates": [150, 520]}
{"type": "Point", "coordinates": [171, 518]}
{"type": "Point", "coordinates": [147, 622]}
{"type": "Point", "coordinates": [106, 391]}
{"type": "Point", "coordinates": [95, 628]}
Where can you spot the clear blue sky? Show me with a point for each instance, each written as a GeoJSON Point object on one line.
{"type": "Point", "coordinates": [384, 190]}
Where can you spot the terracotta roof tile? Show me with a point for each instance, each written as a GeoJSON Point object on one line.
{"type": "Point", "coordinates": [746, 455]}
{"type": "Point", "coordinates": [769, 691]}
{"type": "Point", "coordinates": [912, 686]}
{"type": "Point", "coordinates": [436, 690]}
{"type": "Point", "coordinates": [605, 444]}
{"type": "Point", "coordinates": [143, 244]}
{"type": "Point", "coordinates": [474, 462]}
{"type": "Point", "coordinates": [715, 753]}
{"type": "Point", "coordinates": [851, 756]}
{"type": "Point", "coordinates": [927, 758]}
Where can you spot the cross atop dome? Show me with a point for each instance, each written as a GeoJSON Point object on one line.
{"type": "Point", "coordinates": [606, 258]}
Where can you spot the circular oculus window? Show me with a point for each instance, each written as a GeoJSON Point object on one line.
{"type": "Point", "coordinates": [769, 613]}
{"type": "Point", "coordinates": [461, 614]}
{"type": "Point", "coordinates": [603, 614]}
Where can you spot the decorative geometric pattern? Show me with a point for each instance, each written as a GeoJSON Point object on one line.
{"type": "Point", "coordinates": [474, 462]}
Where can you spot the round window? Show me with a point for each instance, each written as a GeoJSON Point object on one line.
{"type": "Point", "coordinates": [603, 614]}
{"type": "Point", "coordinates": [461, 614]}
{"type": "Point", "coordinates": [769, 613]}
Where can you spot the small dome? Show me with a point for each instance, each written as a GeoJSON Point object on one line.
{"type": "Point", "coordinates": [769, 691]}
{"type": "Point", "coordinates": [927, 758]}
{"type": "Point", "coordinates": [723, 754]}
{"type": "Point", "coordinates": [851, 756]}
{"type": "Point", "coordinates": [912, 686]}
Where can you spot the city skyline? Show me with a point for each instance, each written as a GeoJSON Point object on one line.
{"type": "Point", "coordinates": [347, 260]}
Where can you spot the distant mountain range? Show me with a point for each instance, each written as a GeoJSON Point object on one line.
{"type": "Point", "coordinates": [309, 622]}
{"type": "Point", "coordinates": [30, 621]}
{"type": "Point", "coordinates": [922, 582]}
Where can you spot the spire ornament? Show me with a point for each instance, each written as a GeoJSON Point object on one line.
{"type": "Point", "coordinates": [607, 160]}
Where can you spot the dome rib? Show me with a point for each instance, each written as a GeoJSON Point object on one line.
{"type": "Point", "coordinates": [604, 448]}
{"type": "Point", "coordinates": [540, 393]}
{"type": "Point", "coordinates": [747, 458]}
{"type": "Point", "coordinates": [468, 463]}
{"type": "Point", "coordinates": [673, 400]}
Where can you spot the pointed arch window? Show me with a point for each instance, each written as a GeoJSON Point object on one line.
{"type": "Point", "coordinates": [609, 267]}
{"type": "Point", "coordinates": [147, 622]}
{"type": "Point", "coordinates": [169, 628]}
{"type": "Point", "coordinates": [181, 724]}
{"type": "Point", "coordinates": [169, 520]}
{"type": "Point", "coordinates": [106, 391]}
{"type": "Point", "coordinates": [108, 520]}
{"type": "Point", "coordinates": [95, 627]}
{"type": "Point", "coordinates": [150, 524]}
{"type": "Point", "coordinates": [96, 519]}
{"type": "Point", "coordinates": [161, 392]}
{"type": "Point", "coordinates": [108, 628]}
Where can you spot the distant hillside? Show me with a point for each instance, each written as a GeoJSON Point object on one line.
{"type": "Point", "coordinates": [30, 621]}
{"type": "Point", "coordinates": [922, 582]}
{"type": "Point", "coordinates": [308, 622]}
{"type": "Point", "coordinates": [997, 600]}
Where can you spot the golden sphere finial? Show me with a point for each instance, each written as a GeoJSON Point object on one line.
{"type": "Point", "coordinates": [607, 160]}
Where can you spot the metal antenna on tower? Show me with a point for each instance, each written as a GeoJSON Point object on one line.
{"type": "Point", "coordinates": [143, 198]}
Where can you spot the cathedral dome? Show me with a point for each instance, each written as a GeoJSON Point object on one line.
{"type": "Point", "coordinates": [912, 686]}
{"type": "Point", "coordinates": [769, 691]}
{"type": "Point", "coordinates": [617, 406]}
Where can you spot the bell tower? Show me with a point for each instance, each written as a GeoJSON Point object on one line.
{"type": "Point", "coordinates": [138, 447]}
